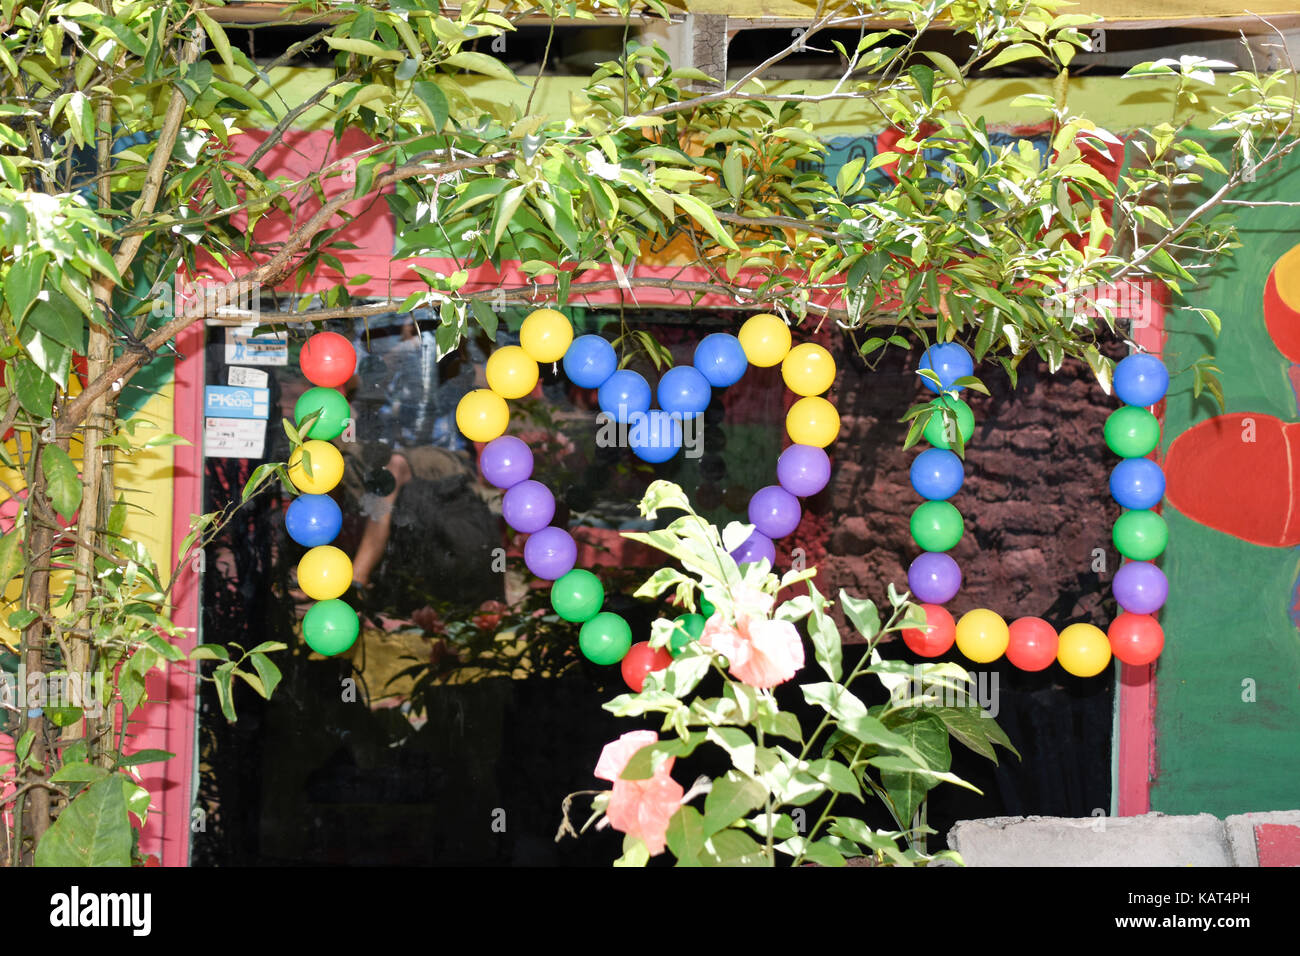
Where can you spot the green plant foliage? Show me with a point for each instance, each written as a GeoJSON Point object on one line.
{"type": "Point", "coordinates": [897, 751]}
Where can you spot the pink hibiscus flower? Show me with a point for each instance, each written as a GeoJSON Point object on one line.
{"type": "Point", "coordinates": [761, 653]}
{"type": "Point", "coordinates": [639, 808]}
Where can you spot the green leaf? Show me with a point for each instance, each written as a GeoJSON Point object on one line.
{"type": "Point", "coordinates": [224, 677]}
{"type": "Point", "coordinates": [486, 316]}
{"type": "Point", "coordinates": [35, 388]}
{"type": "Point", "coordinates": [927, 734]}
{"type": "Point", "coordinates": [733, 795]}
{"type": "Point", "coordinates": [61, 481]}
{"type": "Point", "coordinates": [835, 700]}
{"type": "Point", "coordinates": [635, 853]}
{"type": "Point", "coordinates": [973, 727]}
{"type": "Point", "coordinates": [12, 563]}
{"type": "Point", "coordinates": [945, 64]}
{"type": "Point", "coordinates": [363, 47]}
{"type": "Point", "coordinates": [93, 830]}
{"type": "Point", "coordinates": [64, 716]}
{"type": "Point", "coordinates": [479, 63]}
{"type": "Point", "coordinates": [505, 211]}
{"type": "Point", "coordinates": [144, 756]}
{"type": "Point", "coordinates": [685, 836]}
{"type": "Point", "coordinates": [819, 851]}
{"type": "Point", "coordinates": [825, 637]}
{"type": "Point", "coordinates": [1012, 53]}
{"type": "Point", "coordinates": [267, 672]}
{"type": "Point", "coordinates": [218, 37]}
{"type": "Point", "coordinates": [835, 775]}
{"type": "Point", "coordinates": [20, 620]}
{"type": "Point", "coordinates": [862, 614]}
{"type": "Point", "coordinates": [923, 77]}
{"type": "Point", "coordinates": [734, 848]}
{"type": "Point", "coordinates": [78, 773]}
{"type": "Point", "coordinates": [22, 284]}
{"type": "Point", "coordinates": [705, 216]}
{"type": "Point", "coordinates": [434, 100]}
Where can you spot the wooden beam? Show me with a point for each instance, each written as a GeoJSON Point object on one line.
{"type": "Point", "coordinates": [1118, 14]}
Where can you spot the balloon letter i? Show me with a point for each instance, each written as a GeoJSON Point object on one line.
{"type": "Point", "coordinates": [313, 519]}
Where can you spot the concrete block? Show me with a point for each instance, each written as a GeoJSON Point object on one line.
{"type": "Point", "coordinates": [1244, 839]}
{"type": "Point", "coordinates": [1153, 839]}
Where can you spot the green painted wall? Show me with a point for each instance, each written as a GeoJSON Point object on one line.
{"type": "Point", "coordinates": [1228, 622]}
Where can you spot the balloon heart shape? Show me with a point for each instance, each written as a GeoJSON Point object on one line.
{"type": "Point", "coordinates": [654, 434]}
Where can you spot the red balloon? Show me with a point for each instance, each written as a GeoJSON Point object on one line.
{"type": "Point", "coordinates": [328, 359]}
{"type": "Point", "coordinates": [1033, 644]}
{"type": "Point", "coordinates": [936, 637]}
{"type": "Point", "coordinates": [641, 660]}
{"type": "Point", "coordinates": [1136, 639]}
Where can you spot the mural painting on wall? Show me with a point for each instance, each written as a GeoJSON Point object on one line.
{"type": "Point", "coordinates": [1239, 473]}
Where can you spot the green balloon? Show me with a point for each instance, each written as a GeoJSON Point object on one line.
{"type": "Point", "coordinates": [937, 525]}
{"type": "Point", "coordinates": [689, 628]}
{"type": "Point", "coordinates": [330, 627]}
{"type": "Point", "coordinates": [577, 596]}
{"type": "Point", "coordinates": [1132, 432]}
{"type": "Point", "coordinates": [706, 607]}
{"type": "Point", "coordinates": [605, 639]}
{"type": "Point", "coordinates": [935, 429]}
{"type": "Point", "coordinates": [333, 408]}
{"type": "Point", "coordinates": [1140, 535]}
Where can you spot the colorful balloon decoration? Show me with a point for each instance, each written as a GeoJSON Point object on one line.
{"type": "Point", "coordinates": [1137, 483]}
{"type": "Point", "coordinates": [314, 519]}
{"type": "Point", "coordinates": [654, 435]}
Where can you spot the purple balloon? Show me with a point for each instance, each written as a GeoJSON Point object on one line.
{"type": "Point", "coordinates": [506, 461]}
{"type": "Point", "coordinates": [550, 553]}
{"type": "Point", "coordinates": [1140, 587]}
{"type": "Point", "coordinates": [528, 506]}
{"type": "Point", "coordinates": [803, 470]}
{"type": "Point", "coordinates": [774, 511]}
{"type": "Point", "coordinates": [934, 578]}
{"type": "Point", "coordinates": [754, 549]}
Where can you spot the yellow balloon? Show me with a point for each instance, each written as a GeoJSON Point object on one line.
{"type": "Point", "coordinates": [812, 421]}
{"type": "Point", "coordinates": [482, 415]}
{"type": "Point", "coordinates": [808, 369]}
{"type": "Point", "coordinates": [324, 573]}
{"type": "Point", "coordinates": [982, 635]}
{"type": "Point", "coordinates": [511, 372]}
{"type": "Point", "coordinates": [765, 339]}
{"type": "Point", "coordinates": [326, 467]}
{"type": "Point", "coordinates": [546, 335]}
{"type": "Point", "coordinates": [1084, 650]}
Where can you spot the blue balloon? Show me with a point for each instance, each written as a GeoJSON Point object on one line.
{"type": "Point", "coordinates": [313, 520]}
{"type": "Point", "coordinates": [684, 390]}
{"type": "Point", "coordinates": [1141, 379]}
{"type": "Point", "coordinates": [950, 362]}
{"type": "Point", "coordinates": [720, 359]}
{"type": "Point", "coordinates": [589, 361]}
{"type": "Point", "coordinates": [937, 474]}
{"type": "Point", "coordinates": [1137, 483]}
{"type": "Point", "coordinates": [655, 436]}
{"type": "Point", "coordinates": [623, 394]}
